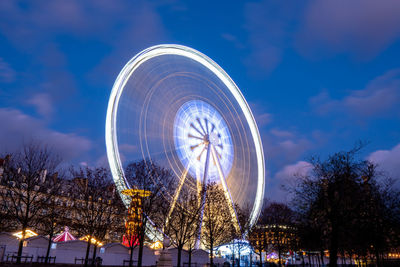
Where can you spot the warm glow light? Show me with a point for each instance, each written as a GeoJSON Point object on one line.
{"type": "Point", "coordinates": [92, 240]}
{"type": "Point", "coordinates": [28, 233]}
{"type": "Point", "coordinates": [156, 245]}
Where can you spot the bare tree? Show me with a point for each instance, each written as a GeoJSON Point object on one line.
{"type": "Point", "coordinates": [217, 221]}
{"type": "Point", "coordinates": [94, 204]}
{"type": "Point", "coordinates": [258, 240]}
{"type": "Point", "coordinates": [6, 221]}
{"type": "Point", "coordinates": [148, 176]}
{"type": "Point", "coordinates": [191, 246]}
{"type": "Point", "coordinates": [238, 244]}
{"type": "Point", "coordinates": [279, 220]}
{"type": "Point", "coordinates": [347, 207]}
{"type": "Point", "coordinates": [52, 215]}
{"type": "Point", "coordinates": [25, 185]}
{"type": "Point", "coordinates": [183, 222]}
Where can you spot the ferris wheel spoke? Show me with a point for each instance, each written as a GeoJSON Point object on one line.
{"type": "Point", "coordinates": [201, 153]}
{"type": "Point", "coordinates": [212, 128]}
{"type": "Point", "coordinates": [197, 137]}
{"type": "Point", "coordinates": [196, 129]}
{"type": "Point", "coordinates": [227, 194]}
{"type": "Point", "coordinates": [195, 146]}
{"type": "Point", "coordinates": [201, 126]}
{"type": "Point", "coordinates": [205, 119]}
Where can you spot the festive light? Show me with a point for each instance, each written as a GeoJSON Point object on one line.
{"type": "Point", "coordinates": [156, 245]}
{"type": "Point", "coordinates": [92, 240]}
{"type": "Point", "coordinates": [28, 233]}
{"type": "Point", "coordinates": [134, 221]}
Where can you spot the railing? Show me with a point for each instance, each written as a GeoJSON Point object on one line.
{"type": "Point", "coordinates": [24, 259]}
{"type": "Point", "coordinates": [42, 259]}
{"type": "Point", "coordinates": [81, 260]}
{"type": "Point", "coordinates": [134, 263]}
{"type": "Point", "coordinates": [97, 262]}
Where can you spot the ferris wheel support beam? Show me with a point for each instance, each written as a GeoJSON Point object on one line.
{"type": "Point", "coordinates": [203, 195]}
{"type": "Point", "coordinates": [227, 194]}
{"type": "Point", "coordinates": [177, 193]}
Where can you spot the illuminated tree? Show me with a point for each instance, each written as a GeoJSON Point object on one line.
{"type": "Point", "coordinates": [95, 205]}
{"type": "Point", "coordinates": [183, 222]}
{"type": "Point", "coordinates": [217, 221]}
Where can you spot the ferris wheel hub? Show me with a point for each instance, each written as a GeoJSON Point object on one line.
{"type": "Point", "coordinates": [197, 126]}
{"type": "Point", "coordinates": [213, 139]}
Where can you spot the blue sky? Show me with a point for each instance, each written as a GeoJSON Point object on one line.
{"type": "Point", "coordinates": [319, 75]}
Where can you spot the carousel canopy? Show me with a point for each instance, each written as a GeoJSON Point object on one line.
{"type": "Point", "coordinates": [28, 233]}
{"type": "Point", "coordinates": [64, 236]}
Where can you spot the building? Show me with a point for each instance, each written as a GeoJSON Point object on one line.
{"type": "Point", "coordinates": [270, 240]}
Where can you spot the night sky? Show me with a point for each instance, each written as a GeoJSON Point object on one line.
{"type": "Point", "coordinates": [318, 75]}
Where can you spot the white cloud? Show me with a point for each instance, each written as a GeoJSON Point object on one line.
{"type": "Point", "coordinates": [388, 161]}
{"type": "Point", "coordinates": [361, 27]}
{"type": "Point", "coordinates": [286, 178]}
{"type": "Point", "coordinates": [268, 24]}
{"type": "Point", "coordinates": [289, 172]}
{"type": "Point", "coordinates": [7, 74]}
{"type": "Point", "coordinates": [43, 104]}
{"type": "Point", "coordinates": [18, 127]}
{"type": "Point", "coordinates": [381, 96]}
{"type": "Point", "coordinates": [282, 133]}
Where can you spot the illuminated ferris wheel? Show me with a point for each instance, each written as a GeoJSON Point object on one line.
{"type": "Point", "coordinates": [175, 106]}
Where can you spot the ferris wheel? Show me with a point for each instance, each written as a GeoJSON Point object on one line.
{"type": "Point", "coordinates": [173, 105]}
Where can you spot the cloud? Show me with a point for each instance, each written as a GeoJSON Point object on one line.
{"type": "Point", "coordinates": [289, 172]}
{"type": "Point", "coordinates": [285, 178]}
{"type": "Point", "coordinates": [125, 28]}
{"type": "Point", "coordinates": [262, 117]}
{"type": "Point", "coordinates": [283, 150]}
{"type": "Point", "coordinates": [233, 39]}
{"type": "Point", "coordinates": [381, 96]}
{"type": "Point", "coordinates": [388, 161]}
{"type": "Point", "coordinates": [142, 27]}
{"type": "Point", "coordinates": [268, 24]}
{"type": "Point", "coordinates": [281, 133]}
{"type": "Point", "coordinates": [18, 127]}
{"type": "Point", "coordinates": [7, 74]}
{"type": "Point", "coordinates": [42, 103]}
{"type": "Point", "coordinates": [28, 24]}
{"type": "Point", "coordinates": [128, 148]}
{"type": "Point", "coordinates": [361, 27]}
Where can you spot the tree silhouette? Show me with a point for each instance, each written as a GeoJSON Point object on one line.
{"type": "Point", "coordinates": [26, 183]}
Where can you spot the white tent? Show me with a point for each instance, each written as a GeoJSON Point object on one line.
{"type": "Point", "coordinates": [66, 252]}
{"type": "Point", "coordinates": [8, 245]}
{"type": "Point", "coordinates": [114, 254]}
